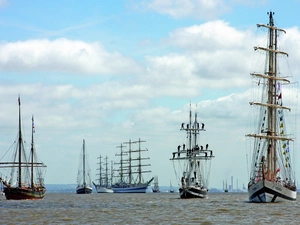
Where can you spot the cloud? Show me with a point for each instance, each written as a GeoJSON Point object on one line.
{"type": "Point", "coordinates": [200, 9]}
{"type": "Point", "coordinates": [63, 55]}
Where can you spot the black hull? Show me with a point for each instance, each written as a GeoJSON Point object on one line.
{"type": "Point", "coordinates": [13, 193]}
{"type": "Point", "coordinates": [84, 190]}
{"type": "Point", "coordinates": [192, 192]}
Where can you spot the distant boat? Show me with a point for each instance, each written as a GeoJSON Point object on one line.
{"type": "Point", "coordinates": [226, 188]}
{"type": "Point", "coordinates": [171, 188]}
{"type": "Point", "coordinates": [155, 188]}
{"type": "Point", "coordinates": [84, 185]}
{"type": "Point", "coordinates": [192, 161]}
{"type": "Point", "coordinates": [26, 179]}
{"type": "Point", "coordinates": [103, 185]}
{"type": "Point", "coordinates": [271, 172]}
{"type": "Point", "coordinates": [130, 166]}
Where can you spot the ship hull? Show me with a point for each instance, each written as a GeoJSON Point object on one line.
{"type": "Point", "coordinates": [131, 189]}
{"type": "Point", "coordinates": [265, 191]}
{"type": "Point", "coordinates": [84, 190]}
{"type": "Point", "coordinates": [13, 193]}
{"type": "Point", "coordinates": [103, 190]}
{"type": "Point", "coordinates": [192, 192]}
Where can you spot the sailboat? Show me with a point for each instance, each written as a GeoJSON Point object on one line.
{"type": "Point", "coordinates": [171, 188]}
{"type": "Point", "coordinates": [271, 172]}
{"type": "Point", "coordinates": [155, 188]}
{"type": "Point", "coordinates": [192, 161]}
{"type": "Point", "coordinates": [126, 182]}
{"type": "Point", "coordinates": [84, 185]}
{"type": "Point", "coordinates": [226, 187]}
{"type": "Point", "coordinates": [26, 176]}
{"type": "Point", "coordinates": [103, 185]}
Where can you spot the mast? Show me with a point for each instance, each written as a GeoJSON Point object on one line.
{"type": "Point", "coordinates": [190, 146]}
{"type": "Point", "coordinates": [111, 173]}
{"type": "Point", "coordinates": [271, 134]}
{"type": "Point", "coordinates": [129, 166]}
{"type": "Point", "coordinates": [106, 172]}
{"type": "Point", "coordinates": [20, 144]}
{"type": "Point", "coordinates": [32, 151]}
{"type": "Point", "coordinates": [140, 162]}
{"type": "Point", "coordinates": [100, 170]}
{"type": "Point", "coordinates": [121, 162]}
{"type": "Point", "coordinates": [271, 95]}
{"type": "Point", "coordinates": [83, 162]}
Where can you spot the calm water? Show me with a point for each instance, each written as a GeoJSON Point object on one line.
{"type": "Point", "coordinates": [149, 208]}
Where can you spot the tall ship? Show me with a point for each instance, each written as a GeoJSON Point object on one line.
{"type": "Point", "coordinates": [84, 185]}
{"type": "Point", "coordinates": [25, 178]}
{"type": "Point", "coordinates": [192, 160]}
{"type": "Point", "coordinates": [155, 188]}
{"type": "Point", "coordinates": [271, 174]}
{"type": "Point", "coordinates": [130, 171]}
{"type": "Point", "coordinates": [103, 185]}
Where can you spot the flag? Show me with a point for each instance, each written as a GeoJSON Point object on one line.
{"type": "Point", "coordinates": [284, 145]}
{"type": "Point", "coordinates": [280, 96]}
{"type": "Point", "coordinates": [33, 130]}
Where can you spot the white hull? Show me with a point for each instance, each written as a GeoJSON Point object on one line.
{"type": "Point", "coordinates": [265, 191]}
{"type": "Point", "coordinates": [103, 190]}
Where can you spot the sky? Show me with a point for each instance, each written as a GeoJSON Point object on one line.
{"type": "Point", "coordinates": [119, 70]}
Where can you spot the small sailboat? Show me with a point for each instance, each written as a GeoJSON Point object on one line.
{"type": "Point", "coordinates": [84, 185]}
{"type": "Point", "coordinates": [155, 188]}
{"type": "Point", "coordinates": [25, 179]}
{"type": "Point", "coordinates": [271, 172]}
{"type": "Point", "coordinates": [171, 188]}
{"type": "Point", "coordinates": [192, 161]}
{"type": "Point", "coordinates": [226, 187]}
{"type": "Point", "coordinates": [103, 185]}
{"type": "Point", "coordinates": [126, 182]}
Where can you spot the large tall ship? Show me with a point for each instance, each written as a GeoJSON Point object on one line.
{"type": "Point", "coordinates": [25, 178]}
{"type": "Point", "coordinates": [104, 182]}
{"type": "Point", "coordinates": [84, 182]}
{"type": "Point", "coordinates": [192, 161]}
{"type": "Point", "coordinates": [130, 171]}
{"type": "Point", "coordinates": [271, 173]}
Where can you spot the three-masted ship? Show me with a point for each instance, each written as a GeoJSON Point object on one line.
{"type": "Point", "coordinates": [271, 172]}
{"type": "Point", "coordinates": [25, 180]}
{"type": "Point", "coordinates": [192, 161]}
{"type": "Point", "coordinates": [104, 182]}
{"type": "Point", "coordinates": [127, 182]}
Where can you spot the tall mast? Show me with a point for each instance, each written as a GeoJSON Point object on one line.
{"type": "Point", "coordinates": [140, 162]}
{"type": "Point", "coordinates": [32, 151]}
{"type": "Point", "coordinates": [106, 172]}
{"type": "Point", "coordinates": [121, 162]}
{"type": "Point", "coordinates": [100, 170]}
{"type": "Point", "coordinates": [130, 168]}
{"type": "Point", "coordinates": [84, 162]}
{"type": "Point", "coordinates": [20, 144]}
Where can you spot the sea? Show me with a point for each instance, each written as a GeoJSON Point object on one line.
{"type": "Point", "coordinates": [148, 208]}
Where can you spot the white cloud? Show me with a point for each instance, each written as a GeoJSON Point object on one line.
{"type": "Point", "coordinates": [63, 55]}
{"type": "Point", "coordinates": [203, 9]}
